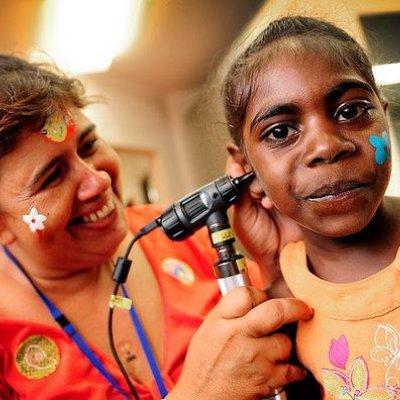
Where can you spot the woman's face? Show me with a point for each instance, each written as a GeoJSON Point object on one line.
{"type": "Point", "coordinates": [315, 135]}
{"type": "Point", "coordinates": [74, 184]}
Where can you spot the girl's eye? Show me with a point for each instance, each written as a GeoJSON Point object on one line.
{"type": "Point", "coordinates": [87, 148]}
{"type": "Point", "coordinates": [279, 134]}
{"type": "Point", "coordinates": [351, 112]}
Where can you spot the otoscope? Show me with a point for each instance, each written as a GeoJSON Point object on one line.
{"type": "Point", "coordinates": [206, 206]}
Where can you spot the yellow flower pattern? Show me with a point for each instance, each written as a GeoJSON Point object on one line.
{"type": "Point", "coordinates": [352, 383]}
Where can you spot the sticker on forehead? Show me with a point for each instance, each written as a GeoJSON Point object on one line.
{"type": "Point", "coordinates": [58, 127]}
{"type": "Point", "coordinates": [382, 147]}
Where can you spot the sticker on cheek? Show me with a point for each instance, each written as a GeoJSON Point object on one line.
{"type": "Point", "coordinates": [35, 221]}
{"type": "Point", "coordinates": [58, 127]}
{"type": "Point", "coordinates": [382, 147]}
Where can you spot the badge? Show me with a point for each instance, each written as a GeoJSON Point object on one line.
{"type": "Point", "coordinates": [37, 357]}
{"type": "Point", "coordinates": [179, 270]}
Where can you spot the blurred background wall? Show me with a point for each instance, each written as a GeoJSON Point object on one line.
{"type": "Point", "coordinates": [159, 91]}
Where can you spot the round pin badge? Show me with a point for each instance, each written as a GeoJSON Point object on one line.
{"type": "Point", "coordinates": [179, 270]}
{"type": "Point", "coordinates": [37, 357]}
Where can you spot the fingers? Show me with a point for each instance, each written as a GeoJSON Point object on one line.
{"type": "Point", "coordinates": [282, 374]}
{"type": "Point", "coordinates": [239, 301]}
{"type": "Point", "coordinates": [272, 314]}
{"type": "Point", "coordinates": [260, 317]}
{"type": "Point", "coordinates": [276, 347]}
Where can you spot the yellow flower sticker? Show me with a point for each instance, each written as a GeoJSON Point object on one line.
{"type": "Point", "coordinates": [58, 127]}
{"type": "Point", "coordinates": [37, 357]}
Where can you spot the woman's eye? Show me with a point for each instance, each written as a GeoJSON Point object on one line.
{"type": "Point", "coordinates": [52, 179]}
{"type": "Point", "coordinates": [87, 148]}
{"type": "Point", "coordinates": [350, 112]}
{"type": "Point", "coordinates": [279, 133]}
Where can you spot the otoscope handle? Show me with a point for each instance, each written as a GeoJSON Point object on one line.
{"type": "Point", "coordinates": [230, 269]}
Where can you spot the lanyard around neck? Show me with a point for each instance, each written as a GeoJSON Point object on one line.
{"type": "Point", "coordinates": [69, 329]}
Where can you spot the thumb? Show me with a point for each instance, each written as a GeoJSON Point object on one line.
{"type": "Point", "coordinates": [239, 301]}
{"type": "Point", "coordinates": [270, 315]}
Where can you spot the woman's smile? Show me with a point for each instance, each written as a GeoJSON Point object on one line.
{"type": "Point", "coordinates": [96, 215]}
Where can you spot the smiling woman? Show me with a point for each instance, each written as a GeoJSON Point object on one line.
{"type": "Point", "coordinates": [62, 227]}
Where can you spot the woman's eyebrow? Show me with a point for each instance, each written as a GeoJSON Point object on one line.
{"type": "Point", "coordinates": [336, 92]}
{"type": "Point", "coordinates": [273, 111]}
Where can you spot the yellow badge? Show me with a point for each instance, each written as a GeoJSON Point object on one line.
{"type": "Point", "coordinates": [179, 270]}
{"type": "Point", "coordinates": [58, 127]}
{"type": "Point", "coordinates": [37, 357]}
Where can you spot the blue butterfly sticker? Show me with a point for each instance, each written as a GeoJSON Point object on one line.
{"type": "Point", "coordinates": [382, 146]}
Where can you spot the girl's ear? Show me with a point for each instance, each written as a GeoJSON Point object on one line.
{"type": "Point", "coordinates": [238, 157]}
{"type": "Point", "coordinates": [238, 165]}
{"type": "Point", "coordinates": [385, 105]}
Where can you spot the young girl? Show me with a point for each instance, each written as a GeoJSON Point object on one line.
{"type": "Point", "coordinates": [306, 115]}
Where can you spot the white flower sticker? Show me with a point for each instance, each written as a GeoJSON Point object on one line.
{"type": "Point", "coordinates": [34, 220]}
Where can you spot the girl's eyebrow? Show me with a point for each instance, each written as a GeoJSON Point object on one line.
{"type": "Point", "coordinates": [277, 109]}
{"type": "Point", "coordinates": [333, 95]}
{"type": "Point", "coordinates": [336, 92]}
{"type": "Point", "coordinates": [57, 159]}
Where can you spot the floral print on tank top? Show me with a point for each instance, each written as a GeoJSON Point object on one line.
{"type": "Point", "coordinates": [349, 380]}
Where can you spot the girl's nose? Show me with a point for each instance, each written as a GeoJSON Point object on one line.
{"type": "Point", "coordinates": [327, 147]}
{"type": "Point", "coordinates": [93, 183]}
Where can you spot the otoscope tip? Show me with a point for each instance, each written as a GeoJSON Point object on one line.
{"type": "Point", "coordinates": [245, 178]}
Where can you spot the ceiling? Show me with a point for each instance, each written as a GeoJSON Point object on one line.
{"type": "Point", "coordinates": [180, 40]}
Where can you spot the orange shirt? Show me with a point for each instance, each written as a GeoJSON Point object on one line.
{"type": "Point", "coordinates": [352, 343]}
{"type": "Point", "coordinates": [42, 362]}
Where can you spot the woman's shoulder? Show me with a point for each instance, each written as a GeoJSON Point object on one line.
{"type": "Point", "coordinates": [19, 301]}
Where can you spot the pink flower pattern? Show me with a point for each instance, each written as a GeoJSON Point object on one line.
{"type": "Point", "coordinates": [353, 383]}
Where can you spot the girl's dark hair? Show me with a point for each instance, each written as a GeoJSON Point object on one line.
{"type": "Point", "coordinates": [241, 80]}
{"type": "Point", "coordinates": [29, 93]}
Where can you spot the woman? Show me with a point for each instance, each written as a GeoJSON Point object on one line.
{"type": "Point", "coordinates": [62, 226]}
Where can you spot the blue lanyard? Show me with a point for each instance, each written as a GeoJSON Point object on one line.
{"type": "Point", "coordinates": [146, 348]}
{"type": "Point", "coordinates": [66, 325]}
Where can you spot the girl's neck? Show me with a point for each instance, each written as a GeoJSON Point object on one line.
{"type": "Point", "coordinates": [358, 256]}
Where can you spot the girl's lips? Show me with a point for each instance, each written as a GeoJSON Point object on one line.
{"type": "Point", "coordinates": [339, 196]}
{"type": "Point", "coordinates": [335, 190]}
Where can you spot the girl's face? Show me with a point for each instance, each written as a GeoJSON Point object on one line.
{"type": "Point", "coordinates": [74, 184]}
{"type": "Point", "coordinates": [307, 136]}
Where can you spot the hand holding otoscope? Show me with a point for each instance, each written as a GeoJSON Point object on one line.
{"type": "Point", "coordinates": [206, 206]}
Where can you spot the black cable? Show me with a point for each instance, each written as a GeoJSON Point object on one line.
{"type": "Point", "coordinates": [120, 274]}
{"type": "Point", "coordinates": [144, 231]}
{"type": "Point", "coordinates": [114, 350]}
